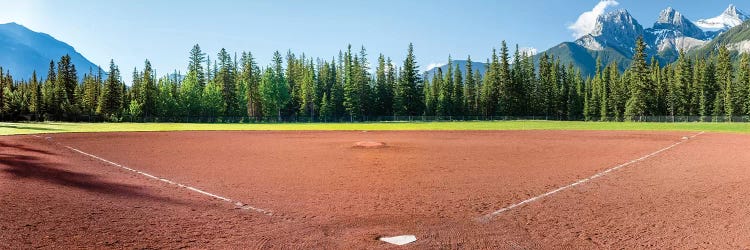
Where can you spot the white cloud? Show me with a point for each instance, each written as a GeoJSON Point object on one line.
{"type": "Point", "coordinates": [587, 20]}
{"type": "Point", "coordinates": [433, 65]}
{"type": "Point", "coordinates": [530, 51]}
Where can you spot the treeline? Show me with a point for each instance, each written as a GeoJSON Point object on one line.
{"type": "Point", "coordinates": [346, 86]}
{"type": "Point", "coordinates": [711, 88]}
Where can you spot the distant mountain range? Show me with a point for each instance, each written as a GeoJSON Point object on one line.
{"type": "Point", "coordinates": [613, 38]}
{"type": "Point", "coordinates": [22, 51]}
{"type": "Point", "coordinates": [457, 64]}
{"type": "Point", "coordinates": [737, 39]}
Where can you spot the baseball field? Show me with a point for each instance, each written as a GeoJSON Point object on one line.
{"type": "Point", "coordinates": [512, 184]}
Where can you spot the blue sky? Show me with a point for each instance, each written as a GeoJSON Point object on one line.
{"type": "Point", "coordinates": [164, 31]}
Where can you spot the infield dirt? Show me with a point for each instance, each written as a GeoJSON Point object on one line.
{"type": "Point", "coordinates": [323, 191]}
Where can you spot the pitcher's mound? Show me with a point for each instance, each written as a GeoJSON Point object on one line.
{"type": "Point", "coordinates": [369, 144]}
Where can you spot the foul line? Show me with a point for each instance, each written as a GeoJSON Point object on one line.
{"type": "Point", "coordinates": [489, 216]}
{"type": "Point", "coordinates": [239, 205]}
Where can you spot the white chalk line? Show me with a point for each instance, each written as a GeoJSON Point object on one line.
{"type": "Point", "coordinates": [239, 205]}
{"type": "Point", "coordinates": [489, 216]}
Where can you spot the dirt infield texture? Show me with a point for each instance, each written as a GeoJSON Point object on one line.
{"type": "Point", "coordinates": [324, 190]}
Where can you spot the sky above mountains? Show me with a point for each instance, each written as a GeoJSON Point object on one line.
{"type": "Point", "coordinates": [164, 31]}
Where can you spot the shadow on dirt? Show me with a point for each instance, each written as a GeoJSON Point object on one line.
{"type": "Point", "coordinates": [24, 148]}
{"type": "Point", "coordinates": [31, 167]}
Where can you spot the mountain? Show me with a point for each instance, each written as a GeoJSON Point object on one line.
{"type": "Point", "coordinates": [460, 64]}
{"type": "Point", "coordinates": [613, 38]}
{"type": "Point", "coordinates": [737, 40]}
{"type": "Point", "coordinates": [22, 51]}
{"type": "Point", "coordinates": [672, 33]}
{"type": "Point", "coordinates": [617, 30]}
{"type": "Point", "coordinates": [729, 18]}
{"type": "Point", "coordinates": [584, 58]}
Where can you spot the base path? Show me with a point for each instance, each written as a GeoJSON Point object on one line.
{"type": "Point", "coordinates": [327, 190]}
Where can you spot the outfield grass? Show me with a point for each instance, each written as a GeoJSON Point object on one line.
{"type": "Point", "coordinates": [55, 127]}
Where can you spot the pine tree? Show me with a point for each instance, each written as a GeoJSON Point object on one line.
{"type": "Point", "coordinates": [576, 95]}
{"type": "Point", "coordinates": [3, 93]}
{"type": "Point", "coordinates": [429, 104]}
{"type": "Point", "coordinates": [352, 100]}
{"type": "Point", "coordinates": [190, 95]}
{"type": "Point", "coordinates": [661, 91]}
{"type": "Point", "coordinates": [531, 86]}
{"type": "Point", "coordinates": [326, 109]}
{"type": "Point", "coordinates": [136, 84]}
{"type": "Point", "coordinates": [470, 88]}
{"type": "Point", "coordinates": [111, 97]}
{"type": "Point", "coordinates": [294, 78]}
{"type": "Point", "coordinates": [555, 87]}
{"type": "Point", "coordinates": [384, 91]}
{"type": "Point", "coordinates": [506, 96]}
{"type": "Point", "coordinates": [491, 87]}
{"type": "Point", "coordinates": [209, 72]}
{"type": "Point", "coordinates": [308, 90]}
{"type": "Point", "coordinates": [90, 94]}
{"type": "Point", "coordinates": [35, 104]}
{"type": "Point", "coordinates": [587, 103]}
{"type": "Point", "coordinates": [604, 91]}
{"type": "Point", "coordinates": [197, 57]}
{"type": "Point", "coordinates": [678, 85]}
{"type": "Point", "coordinates": [478, 93]}
{"type": "Point", "coordinates": [515, 95]}
{"type": "Point", "coordinates": [440, 97]}
{"type": "Point", "coordinates": [212, 99]}
{"type": "Point", "coordinates": [240, 89]}
{"type": "Point", "coordinates": [364, 83]}
{"type": "Point", "coordinates": [709, 89]}
{"type": "Point", "coordinates": [442, 88]}
{"type": "Point", "coordinates": [48, 99]}
{"type": "Point", "coordinates": [446, 91]}
{"type": "Point", "coordinates": [638, 104]}
{"type": "Point", "coordinates": [225, 80]}
{"type": "Point", "coordinates": [166, 98]}
{"type": "Point", "coordinates": [147, 91]}
{"type": "Point", "coordinates": [67, 77]}
{"type": "Point", "coordinates": [548, 85]}
{"type": "Point", "coordinates": [274, 89]}
{"type": "Point", "coordinates": [743, 85]}
{"type": "Point", "coordinates": [458, 93]}
{"type": "Point", "coordinates": [391, 80]}
{"type": "Point", "coordinates": [407, 98]}
{"type": "Point", "coordinates": [725, 78]}
{"type": "Point", "coordinates": [618, 95]}
{"type": "Point", "coordinates": [251, 76]}
{"type": "Point", "coordinates": [337, 88]}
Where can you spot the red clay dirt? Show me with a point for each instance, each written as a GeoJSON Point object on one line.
{"type": "Point", "coordinates": [324, 191]}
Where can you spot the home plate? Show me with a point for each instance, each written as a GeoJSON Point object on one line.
{"type": "Point", "coordinates": [400, 240]}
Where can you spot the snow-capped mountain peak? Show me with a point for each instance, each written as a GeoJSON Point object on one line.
{"type": "Point", "coordinates": [616, 29]}
{"type": "Point", "coordinates": [673, 32]}
{"type": "Point", "coordinates": [671, 19]}
{"type": "Point", "coordinates": [616, 21]}
{"type": "Point", "coordinates": [734, 12]}
{"type": "Point", "coordinates": [729, 18]}
{"type": "Point", "coordinates": [670, 16]}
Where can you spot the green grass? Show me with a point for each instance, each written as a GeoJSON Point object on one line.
{"type": "Point", "coordinates": [55, 127]}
